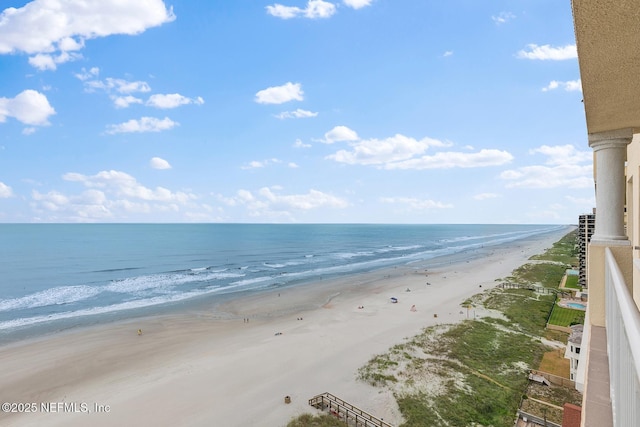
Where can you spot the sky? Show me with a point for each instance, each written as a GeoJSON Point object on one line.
{"type": "Point", "coordinates": [305, 111]}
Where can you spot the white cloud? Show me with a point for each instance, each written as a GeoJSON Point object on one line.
{"type": "Point", "coordinates": [125, 101]}
{"type": "Point", "coordinates": [257, 164]}
{"type": "Point", "coordinates": [109, 195]}
{"type": "Point", "coordinates": [340, 133]}
{"type": "Point", "coordinates": [121, 184]}
{"type": "Point", "coordinates": [570, 176]}
{"type": "Point", "coordinates": [447, 53]}
{"type": "Point", "coordinates": [158, 163]}
{"type": "Point", "coordinates": [88, 74]}
{"type": "Point", "coordinates": [53, 31]}
{"type": "Point", "coordinates": [562, 168]}
{"type": "Point", "coordinates": [569, 86]}
{"type": "Point", "coordinates": [297, 114]}
{"type": "Point", "coordinates": [172, 100]}
{"type": "Point", "coordinates": [111, 84]}
{"type": "Point", "coordinates": [145, 124]}
{"type": "Point", "coordinates": [300, 144]}
{"type": "Point", "coordinates": [293, 165]}
{"type": "Point", "coordinates": [29, 107]}
{"type": "Point", "coordinates": [315, 9]}
{"type": "Point", "coordinates": [44, 61]}
{"type": "Point", "coordinates": [357, 4]}
{"type": "Point", "coordinates": [547, 52]}
{"type": "Point", "coordinates": [384, 152]}
{"type": "Point", "coordinates": [312, 200]}
{"type": "Point", "coordinates": [28, 131]}
{"type": "Point", "coordinates": [270, 203]}
{"type": "Point", "coordinates": [452, 159]}
{"type": "Point", "coordinates": [563, 154]}
{"type": "Point", "coordinates": [415, 204]}
{"type": "Point", "coordinates": [5, 191]}
{"type": "Point", "coordinates": [485, 196]}
{"type": "Point", "coordinates": [503, 18]}
{"type": "Point", "coordinates": [280, 94]}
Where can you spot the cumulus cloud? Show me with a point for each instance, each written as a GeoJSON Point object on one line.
{"type": "Point", "coordinates": [5, 191]}
{"type": "Point", "coordinates": [280, 94]}
{"type": "Point", "coordinates": [569, 86]}
{"type": "Point", "coordinates": [145, 124]}
{"type": "Point", "coordinates": [172, 100]}
{"type": "Point", "coordinates": [300, 144]}
{"type": "Point", "coordinates": [357, 4]}
{"type": "Point", "coordinates": [54, 31]}
{"type": "Point", "coordinates": [109, 195]}
{"type": "Point", "coordinates": [111, 84]}
{"type": "Point", "coordinates": [125, 101]}
{"type": "Point", "coordinates": [43, 61]}
{"type": "Point", "coordinates": [297, 114]}
{"type": "Point", "coordinates": [562, 168]}
{"type": "Point", "coordinates": [415, 204]}
{"type": "Point", "coordinates": [29, 107]}
{"type": "Point", "coordinates": [384, 151]}
{"type": "Point", "coordinates": [340, 133]}
{"type": "Point", "coordinates": [569, 176]}
{"type": "Point", "coordinates": [315, 9]}
{"type": "Point", "coordinates": [159, 163]}
{"type": "Point", "coordinates": [503, 18]}
{"type": "Point", "coordinates": [120, 91]}
{"type": "Point", "coordinates": [547, 52]}
{"type": "Point", "coordinates": [270, 202]}
{"type": "Point", "coordinates": [311, 200]}
{"type": "Point", "coordinates": [563, 154]}
{"type": "Point", "coordinates": [122, 184]}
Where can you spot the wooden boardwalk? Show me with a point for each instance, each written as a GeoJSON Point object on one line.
{"type": "Point", "coordinates": [345, 411]}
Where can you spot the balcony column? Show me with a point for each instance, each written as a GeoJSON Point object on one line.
{"type": "Point", "coordinates": [610, 149]}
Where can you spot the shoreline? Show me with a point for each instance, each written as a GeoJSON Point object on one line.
{"type": "Point", "coordinates": [205, 364]}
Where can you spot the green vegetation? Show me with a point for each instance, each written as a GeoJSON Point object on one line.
{"type": "Point", "coordinates": [564, 250]}
{"type": "Point", "coordinates": [566, 316]}
{"type": "Point", "coordinates": [475, 372]}
{"type": "Point", "coordinates": [572, 282]}
{"type": "Point", "coordinates": [321, 420]}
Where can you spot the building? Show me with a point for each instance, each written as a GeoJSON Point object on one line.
{"type": "Point", "coordinates": [573, 353]}
{"type": "Point", "coordinates": [586, 225]}
{"type": "Point", "coordinates": [608, 43]}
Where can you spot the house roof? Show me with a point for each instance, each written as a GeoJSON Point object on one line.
{"type": "Point", "coordinates": [576, 334]}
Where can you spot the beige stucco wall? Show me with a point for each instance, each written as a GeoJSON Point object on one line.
{"type": "Point", "coordinates": [622, 253]}
{"type": "Point", "coordinates": [633, 208]}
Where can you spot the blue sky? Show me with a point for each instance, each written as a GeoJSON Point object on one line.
{"type": "Point", "coordinates": [365, 111]}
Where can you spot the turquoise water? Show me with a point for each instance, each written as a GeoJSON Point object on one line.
{"type": "Point", "coordinates": [60, 272]}
{"type": "Point", "coordinates": [576, 305]}
{"type": "Point", "coordinates": [572, 272]}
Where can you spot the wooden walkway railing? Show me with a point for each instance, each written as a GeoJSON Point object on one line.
{"type": "Point", "coordinates": [346, 411]}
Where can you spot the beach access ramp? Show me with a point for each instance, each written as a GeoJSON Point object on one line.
{"type": "Point", "coordinates": [345, 411]}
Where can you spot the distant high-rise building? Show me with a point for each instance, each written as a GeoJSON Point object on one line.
{"type": "Point", "coordinates": [586, 225]}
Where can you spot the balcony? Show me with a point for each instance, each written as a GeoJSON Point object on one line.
{"type": "Point", "coordinates": [612, 386]}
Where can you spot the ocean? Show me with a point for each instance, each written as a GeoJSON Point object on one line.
{"type": "Point", "coordinates": [55, 276]}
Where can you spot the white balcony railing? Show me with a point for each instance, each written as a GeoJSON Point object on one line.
{"type": "Point", "coordinates": [623, 346]}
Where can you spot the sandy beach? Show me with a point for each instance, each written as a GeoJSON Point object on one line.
{"type": "Point", "coordinates": [231, 364]}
